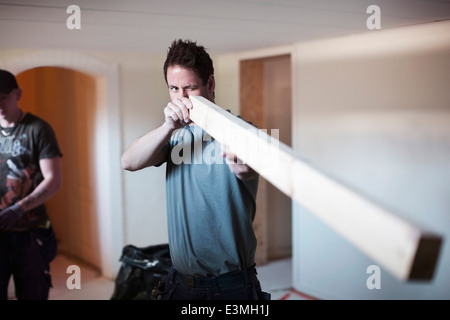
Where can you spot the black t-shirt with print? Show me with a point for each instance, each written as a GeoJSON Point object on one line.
{"type": "Point", "coordinates": [31, 140]}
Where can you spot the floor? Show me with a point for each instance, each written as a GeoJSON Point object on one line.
{"type": "Point", "coordinates": [275, 277]}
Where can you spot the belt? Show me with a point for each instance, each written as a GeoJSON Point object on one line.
{"type": "Point", "coordinates": [225, 280]}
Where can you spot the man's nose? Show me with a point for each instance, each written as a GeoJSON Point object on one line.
{"type": "Point", "coordinates": [184, 93]}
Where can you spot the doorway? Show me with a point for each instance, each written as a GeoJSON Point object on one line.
{"type": "Point", "coordinates": [266, 101]}
{"type": "Point", "coordinates": [66, 99]}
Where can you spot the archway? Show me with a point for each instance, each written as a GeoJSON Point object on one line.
{"type": "Point", "coordinates": [66, 99]}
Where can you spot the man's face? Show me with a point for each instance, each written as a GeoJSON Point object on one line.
{"type": "Point", "coordinates": [184, 82]}
{"type": "Point", "coordinates": [9, 101]}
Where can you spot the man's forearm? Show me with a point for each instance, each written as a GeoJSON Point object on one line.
{"type": "Point", "coordinates": [44, 191]}
{"type": "Point", "coordinates": [146, 150]}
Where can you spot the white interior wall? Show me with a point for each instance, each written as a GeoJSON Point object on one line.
{"type": "Point", "coordinates": [373, 110]}
{"type": "Point", "coordinates": [143, 98]}
{"type": "Point", "coordinates": [226, 71]}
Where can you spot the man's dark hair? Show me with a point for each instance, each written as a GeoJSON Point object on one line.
{"type": "Point", "coordinates": [189, 55]}
{"type": "Point", "coordinates": [7, 82]}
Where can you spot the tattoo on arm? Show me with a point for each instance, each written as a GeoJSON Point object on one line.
{"type": "Point", "coordinates": [33, 199]}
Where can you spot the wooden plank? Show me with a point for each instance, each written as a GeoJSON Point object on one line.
{"type": "Point", "coordinates": [402, 247]}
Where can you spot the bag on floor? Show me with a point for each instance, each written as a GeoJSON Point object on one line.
{"type": "Point", "coordinates": [141, 271]}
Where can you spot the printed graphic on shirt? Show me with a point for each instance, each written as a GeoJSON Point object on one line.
{"type": "Point", "coordinates": [21, 175]}
{"type": "Point", "coordinates": [20, 152]}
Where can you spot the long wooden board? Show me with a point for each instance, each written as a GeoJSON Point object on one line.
{"type": "Point", "coordinates": [402, 247]}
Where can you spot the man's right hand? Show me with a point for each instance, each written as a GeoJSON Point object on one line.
{"type": "Point", "coordinates": [10, 216]}
{"type": "Point", "coordinates": [177, 113]}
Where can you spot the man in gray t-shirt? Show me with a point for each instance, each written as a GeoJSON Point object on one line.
{"type": "Point", "coordinates": [210, 194]}
{"type": "Point", "coordinates": [208, 205]}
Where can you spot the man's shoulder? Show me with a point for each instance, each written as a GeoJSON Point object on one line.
{"type": "Point", "coordinates": [31, 118]}
{"type": "Point", "coordinates": [36, 124]}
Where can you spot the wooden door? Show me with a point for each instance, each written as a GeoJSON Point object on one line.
{"type": "Point", "coordinates": [265, 100]}
{"type": "Point", "coordinates": [67, 100]}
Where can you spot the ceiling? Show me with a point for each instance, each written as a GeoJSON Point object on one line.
{"type": "Point", "coordinates": [223, 26]}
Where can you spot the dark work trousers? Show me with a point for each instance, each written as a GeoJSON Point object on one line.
{"type": "Point", "coordinates": [240, 285]}
{"type": "Point", "coordinates": [26, 256]}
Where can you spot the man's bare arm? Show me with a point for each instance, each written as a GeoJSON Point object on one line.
{"type": "Point", "coordinates": [52, 173]}
{"type": "Point", "coordinates": [147, 150]}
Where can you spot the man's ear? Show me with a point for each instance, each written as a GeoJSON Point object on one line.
{"type": "Point", "coordinates": [18, 94]}
{"type": "Point", "coordinates": [211, 86]}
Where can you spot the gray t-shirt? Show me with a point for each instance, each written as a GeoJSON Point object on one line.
{"type": "Point", "coordinates": [209, 210]}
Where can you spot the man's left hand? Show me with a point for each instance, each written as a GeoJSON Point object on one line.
{"type": "Point", "coordinates": [240, 169]}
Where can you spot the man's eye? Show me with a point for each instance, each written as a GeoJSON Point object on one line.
{"type": "Point", "coordinates": [174, 89]}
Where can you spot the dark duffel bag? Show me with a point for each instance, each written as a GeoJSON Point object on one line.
{"type": "Point", "coordinates": [141, 271]}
